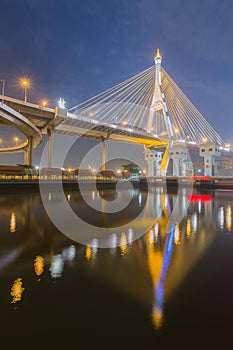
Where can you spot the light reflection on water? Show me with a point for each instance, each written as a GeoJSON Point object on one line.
{"type": "Point", "coordinates": [159, 260]}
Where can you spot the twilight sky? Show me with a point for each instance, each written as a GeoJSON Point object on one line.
{"type": "Point", "coordinates": [76, 49]}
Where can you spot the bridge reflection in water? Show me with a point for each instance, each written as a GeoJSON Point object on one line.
{"type": "Point", "coordinates": [149, 270]}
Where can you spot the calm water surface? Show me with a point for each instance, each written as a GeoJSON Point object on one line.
{"type": "Point", "coordinates": [161, 291]}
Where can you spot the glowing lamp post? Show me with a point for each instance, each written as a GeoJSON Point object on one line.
{"type": "Point", "coordinates": [44, 103]}
{"type": "Point", "coordinates": [25, 83]}
{"type": "Point", "coordinates": [16, 139]}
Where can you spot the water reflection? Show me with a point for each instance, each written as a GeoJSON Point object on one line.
{"type": "Point", "coordinates": [12, 223]}
{"type": "Point", "coordinates": [228, 218]}
{"type": "Point", "coordinates": [123, 244]}
{"type": "Point", "coordinates": [17, 290]}
{"type": "Point", "coordinates": [56, 266]}
{"type": "Point", "coordinates": [159, 261]}
{"type": "Point", "coordinates": [39, 265]}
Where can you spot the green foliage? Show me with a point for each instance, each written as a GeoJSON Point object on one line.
{"type": "Point", "coordinates": [131, 167]}
{"type": "Point", "coordinates": [26, 166]}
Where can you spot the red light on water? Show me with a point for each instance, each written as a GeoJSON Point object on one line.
{"type": "Point", "coordinates": [204, 198]}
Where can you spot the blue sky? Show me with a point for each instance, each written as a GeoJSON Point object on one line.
{"type": "Point", "coordinates": [76, 49]}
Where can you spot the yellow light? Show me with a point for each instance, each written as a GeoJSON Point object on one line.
{"type": "Point", "coordinates": [228, 218]}
{"type": "Point", "coordinates": [44, 103]}
{"type": "Point", "coordinates": [157, 318]}
{"type": "Point", "coordinates": [68, 197]}
{"type": "Point", "coordinates": [118, 171]}
{"type": "Point", "coordinates": [123, 244]}
{"type": "Point", "coordinates": [25, 82]}
{"type": "Point", "coordinates": [17, 290]}
{"type": "Point", "coordinates": [158, 54]}
{"type": "Point", "coordinates": [177, 130]}
{"type": "Point", "coordinates": [177, 234]}
{"type": "Point", "coordinates": [188, 227]}
{"type": "Point", "coordinates": [13, 223]}
{"type": "Point", "coordinates": [88, 252]}
{"type": "Point", "coordinates": [39, 265]}
{"type": "Point", "coordinates": [124, 122]}
{"type": "Point", "coordinates": [0, 140]}
{"type": "Point", "coordinates": [205, 139]}
{"type": "Point", "coordinates": [91, 114]}
{"type": "Point", "coordinates": [227, 145]}
{"type": "Point", "coordinates": [16, 139]}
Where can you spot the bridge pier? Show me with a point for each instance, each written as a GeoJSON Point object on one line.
{"type": "Point", "coordinates": [209, 151]}
{"type": "Point", "coordinates": [25, 157]}
{"type": "Point", "coordinates": [153, 159]}
{"type": "Point", "coordinates": [50, 135]}
{"type": "Point", "coordinates": [30, 150]}
{"type": "Point", "coordinates": [104, 154]}
{"type": "Point", "coordinates": [178, 154]}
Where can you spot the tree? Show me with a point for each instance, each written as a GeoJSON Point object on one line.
{"type": "Point", "coordinates": [131, 167]}
{"type": "Point", "coordinates": [26, 166]}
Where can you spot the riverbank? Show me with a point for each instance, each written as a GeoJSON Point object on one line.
{"type": "Point", "coordinates": [34, 184]}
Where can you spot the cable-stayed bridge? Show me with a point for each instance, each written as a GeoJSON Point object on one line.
{"type": "Point", "coordinates": [148, 108]}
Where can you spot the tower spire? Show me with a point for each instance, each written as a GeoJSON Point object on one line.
{"type": "Point", "coordinates": [158, 55]}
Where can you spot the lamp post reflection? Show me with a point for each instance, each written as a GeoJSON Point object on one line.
{"type": "Point", "coordinates": [17, 290]}
{"type": "Point", "coordinates": [13, 223]}
{"type": "Point", "coordinates": [39, 265]}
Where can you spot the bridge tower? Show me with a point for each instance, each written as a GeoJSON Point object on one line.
{"type": "Point", "coordinates": [159, 106]}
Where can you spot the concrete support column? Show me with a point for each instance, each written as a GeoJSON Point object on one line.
{"type": "Point", "coordinates": [30, 150]}
{"type": "Point", "coordinates": [50, 135]}
{"type": "Point", "coordinates": [209, 151]}
{"type": "Point", "coordinates": [209, 166]}
{"type": "Point", "coordinates": [104, 154]}
{"type": "Point", "coordinates": [153, 159]}
{"type": "Point", "coordinates": [178, 167]}
{"type": "Point", "coordinates": [149, 157]}
{"type": "Point", "coordinates": [157, 167]}
{"type": "Point", "coordinates": [26, 157]}
{"type": "Point", "coordinates": [178, 154]}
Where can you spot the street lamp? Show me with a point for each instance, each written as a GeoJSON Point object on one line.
{"type": "Point", "coordinates": [44, 103]}
{"type": "Point", "coordinates": [25, 84]}
{"type": "Point", "coordinates": [16, 139]}
{"type": "Point", "coordinates": [205, 139]}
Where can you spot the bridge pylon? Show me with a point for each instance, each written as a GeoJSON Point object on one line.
{"type": "Point", "coordinates": [159, 108]}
